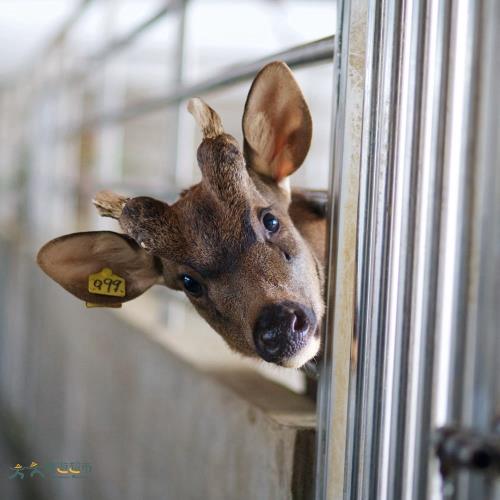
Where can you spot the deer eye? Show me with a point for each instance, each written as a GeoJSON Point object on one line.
{"type": "Point", "coordinates": [270, 222]}
{"type": "Point", "coordinates": [191, 285]}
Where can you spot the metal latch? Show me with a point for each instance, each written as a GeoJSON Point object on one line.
{"type": "Point", "coordinates": [459, 448]}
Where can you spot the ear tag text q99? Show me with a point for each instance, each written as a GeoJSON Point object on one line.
{"type": "Point", "coordinates": [106, 283]}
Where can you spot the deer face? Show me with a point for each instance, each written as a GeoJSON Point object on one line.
{"type": "Point", "coordinates": [228, 242]}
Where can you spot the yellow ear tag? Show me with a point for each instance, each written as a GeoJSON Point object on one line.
{"type": "Point", "coordinates": [106, 283]}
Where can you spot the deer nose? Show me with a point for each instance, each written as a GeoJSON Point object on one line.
{"type": "Point", "coordinates": [282, 330]}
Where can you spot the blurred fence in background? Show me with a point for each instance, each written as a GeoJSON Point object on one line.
{"type": "Point", "coordinates": [104, 104]}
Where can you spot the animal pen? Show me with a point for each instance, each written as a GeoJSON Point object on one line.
{"type": "Point", "coordinates": [406, 108]}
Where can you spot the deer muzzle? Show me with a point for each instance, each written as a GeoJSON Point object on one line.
{"type": "Point", "coordinates": [283, 330]}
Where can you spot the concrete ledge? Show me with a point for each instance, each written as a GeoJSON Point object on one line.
{"type": "Point", "coordinates": [155, 417]}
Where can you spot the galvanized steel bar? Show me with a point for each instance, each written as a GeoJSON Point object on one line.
{"type": "Point", "coordinates": [318, 51]}
{"type": "Point", "coordinates": [119, 44]}
{"type": "Point", "coordinates": [74, 17]}
{"type": "Point", "coordinates": [472, 185]}
{"type": "Point", "coordinates": [420, 463]}
{"type": "Point", "coordinates": [333, 457]}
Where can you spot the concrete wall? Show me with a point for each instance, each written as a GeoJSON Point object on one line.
{"type": "Point", "coordinates": [153, 421]}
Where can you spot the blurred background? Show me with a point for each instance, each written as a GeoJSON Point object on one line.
{"type": "Point", "coordinates": [71, 117]}
{"type": "Point", "coordinates": [93, 96]}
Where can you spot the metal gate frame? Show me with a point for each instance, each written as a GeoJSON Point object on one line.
{"type": "Point", "coordinates": [413, 333]}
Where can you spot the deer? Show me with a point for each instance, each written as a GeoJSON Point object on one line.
{"type": "Point", "coordinates": [246, 249]}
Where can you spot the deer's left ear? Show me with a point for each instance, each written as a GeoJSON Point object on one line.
{"type": "Point", "coordinates": [277, 124]}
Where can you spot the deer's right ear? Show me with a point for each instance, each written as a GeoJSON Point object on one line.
{"type": "Point", "coordinates": [277, 124]}
{"type": "Point", "coordinates": [70, 261]}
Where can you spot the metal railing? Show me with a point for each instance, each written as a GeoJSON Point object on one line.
{"type": "Point", "coordinates": [301, 55]}
{"type": "Point", "coordinates": [413, 330]}
{"type": "Point", "coordinates": [72, 77]}
{"type": "Point", "coordinates": [121, 43]}
{"type": "Point", "coordinates": [116, 45]}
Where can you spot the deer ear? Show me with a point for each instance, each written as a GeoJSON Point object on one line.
{"type": "Point", "coordinates": [277, 124]}
{"type": "Point", "coordinates": [71, 260]}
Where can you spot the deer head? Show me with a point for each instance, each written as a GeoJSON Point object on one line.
{"type": "Point", "coordinates": [231, 242]}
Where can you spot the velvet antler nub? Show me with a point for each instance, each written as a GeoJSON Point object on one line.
{"type": "Point", "coordinates": [206, 118]}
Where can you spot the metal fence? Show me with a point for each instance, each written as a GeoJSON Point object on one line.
{"type": "Point", "coordinates": [412, 355]}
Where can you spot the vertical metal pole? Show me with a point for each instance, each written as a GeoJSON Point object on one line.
{"type": "Point", "coordinates": [174, 154]}
{"type": "Point", "coordinates": [110, 95]}
{"type": "Point", "coordinates": [419, 458]}
{"type": "Point", "coordinates": [337, 368]}
{"type": "Point", "coordinates": [473, 188]}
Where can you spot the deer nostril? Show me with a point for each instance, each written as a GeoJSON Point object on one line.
{"type": "Point", "coordinates": [299, 323]}
{"type": "Point", "coordinates": [287, 256]}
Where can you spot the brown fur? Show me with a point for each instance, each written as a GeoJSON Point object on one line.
{"type": "Point", "coordinates": [214, 232]}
